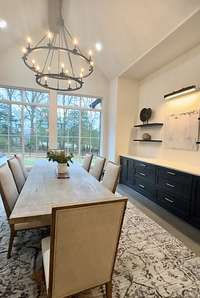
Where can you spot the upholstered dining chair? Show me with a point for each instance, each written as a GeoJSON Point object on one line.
{"type": "Point", "coordinates": [97, 169]}
{"type": "Point", "coordinates": [17, 172]}
{"type": "Point", "coordinates": [9, 195]}
{"type": "Point", "coordinates": [111, 176]}
{"type": "Point", "coordinates": [87, 162]}
{"type": "Point", "coordinates": [21, 162]}
{"type": "Point", "coordinates": [81, 252]}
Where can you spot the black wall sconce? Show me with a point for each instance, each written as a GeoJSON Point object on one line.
{"type": "Point", "coordinates": [182, 91]}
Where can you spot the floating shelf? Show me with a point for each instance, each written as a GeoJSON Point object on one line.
{"type": "Point", "coordinates": [153, 141]}
{"type": "Point", "coordinates": [198, 142]}
{"type": "Point", "coordinates": [148, 125]}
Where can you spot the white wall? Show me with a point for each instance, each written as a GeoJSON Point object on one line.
{"type": "Point", "coordinates": [122, 114]}
{"type": "Point", "coordinates": [14, 73]}
{"type": "Point", "coordinates": [182, 72]}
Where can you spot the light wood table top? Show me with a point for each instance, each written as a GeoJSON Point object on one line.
{"type": "Point", "coordinates": [42, 191]}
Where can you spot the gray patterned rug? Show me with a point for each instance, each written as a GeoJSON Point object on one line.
{"type": "Point", "coordinates": [150, 263]}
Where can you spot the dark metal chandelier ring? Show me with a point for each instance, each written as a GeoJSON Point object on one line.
{"type": "Point", "coordinates": [31, 50]}
{"type": "Point", "coordinates": [58, 77]}
{"type": "Point", "coordinates": [57, 66]}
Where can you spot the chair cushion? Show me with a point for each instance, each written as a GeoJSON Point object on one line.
{"type": "Point", "coordinates": [96, 170]}
{"type": "Point", "coordinates": [46, 258]}
{"type": "Point", "coordinates": [8, 188]}
{"type": "Point", "coordinates": [110, 176]}
{"type": "Point", "coordinates": [24, 169]}
{"type": "Point", "coordinates": [17, 172]}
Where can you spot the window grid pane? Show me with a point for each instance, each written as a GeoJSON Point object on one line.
{"type": "Point", "coordinates": [24, 123]}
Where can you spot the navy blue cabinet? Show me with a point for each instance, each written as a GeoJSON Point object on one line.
{"type": "Point", "coordinates": [127, 176]}
{"type": "Point", "coordinates": [195, 206]}
{"type": "Point", "coordinates": [174, 190]}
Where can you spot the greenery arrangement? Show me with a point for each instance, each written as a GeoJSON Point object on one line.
{"type": "Point", "coordinates": [60, 156]}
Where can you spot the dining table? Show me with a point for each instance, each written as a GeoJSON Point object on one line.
{"type": "Point", "coordinates": [43, 190]}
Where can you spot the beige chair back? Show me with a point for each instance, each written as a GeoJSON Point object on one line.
{"type": "Point", "coordinates": [87, 162]}
{"type": "Point", "coordinates": [84, 243]}
{"type": "Point", "coordinates": [21, 162]}
{"type": "Point", "coordinates": [8, 189]}
{"type": "Point", "coordinates": [111, 176]}
{"type": "Point", "coordinates": [17, 172]}
{"type": "Point", "coordinates": [97, 169]}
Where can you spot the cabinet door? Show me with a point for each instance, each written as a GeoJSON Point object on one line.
{"type": "Point", "coordinates": [127, 176]}
{"type": "Point", "coordinates": [124, 170]}
{"type": "Point", "coordinates": [131, 173]}
{"type": "Point", "coordinates": [195, 210]}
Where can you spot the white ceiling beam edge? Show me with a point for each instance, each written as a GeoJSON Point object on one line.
{"type": "Point", "coordinates": [182, 39]}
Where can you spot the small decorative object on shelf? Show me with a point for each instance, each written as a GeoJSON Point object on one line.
{"type": "Point", "coordinates": [146, 136]}
{"type": "Point", "coordinates": [63, 159]}
{"type": "Point", "coordinates": [145, 115]}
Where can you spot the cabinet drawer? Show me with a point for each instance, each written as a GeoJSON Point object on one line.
{"type": "Point", "coordinates": [173, 203]}
{"type": "Point", "coordinates": [145, 171]}
{"type": "Point", "coordinates": [175, 176]}
{"type": "Point", "coordinates": [175, 187]}
{"type": "Point", "coordinates": [145, 188]}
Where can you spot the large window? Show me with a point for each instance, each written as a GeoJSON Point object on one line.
{"type": "Point", "coordinates": [79, 124]}
{"type": "Point", "coordinates": [23, 122]}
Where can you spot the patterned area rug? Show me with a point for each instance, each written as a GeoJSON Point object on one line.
{"type": "Point", "coordinates": [150, 263]}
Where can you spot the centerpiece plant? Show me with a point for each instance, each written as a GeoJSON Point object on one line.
{"type": "Point", "coordinates": [62, 158]}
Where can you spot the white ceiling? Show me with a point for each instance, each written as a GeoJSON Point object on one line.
{"type": "Point", "coordinates": [126, 28]}
{"type": "Point", "coordinates": [24, 18]}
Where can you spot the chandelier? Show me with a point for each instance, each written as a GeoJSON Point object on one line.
{"type": "Point", "coordinates": [57, 61]}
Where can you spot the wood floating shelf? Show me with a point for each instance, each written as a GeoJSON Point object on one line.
{"type": "Point", "coordinates": [148, 125]}
{"type": "Point", "coordinates": [198, 142]}
{"type": "Point", "coordinates": [153, 141]}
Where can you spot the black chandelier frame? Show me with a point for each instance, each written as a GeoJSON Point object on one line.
{"type": "Point", "coordinates": [43, 77]}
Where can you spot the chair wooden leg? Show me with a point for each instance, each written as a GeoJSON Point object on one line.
{"type": "Point", "coordinates": [109, 289]}
{"type": "Point", "coordinates": [12, 235]}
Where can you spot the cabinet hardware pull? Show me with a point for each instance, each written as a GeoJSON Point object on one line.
{"type": "Point", "coordinates": [168, 200]}
{"type": "Point", "coordinates": [171, 173]}
{"type": "Point", "coordinates": [141, 185]}
{"type": "Point", "coordinates": [170, 185]}
{"type": "Point", "coordinates": [142, 174]}
{"type": "Point", "coordinates": [143, 165]}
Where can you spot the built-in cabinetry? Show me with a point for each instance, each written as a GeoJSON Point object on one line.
{"type": "Point", "coordinates": [176, 191]}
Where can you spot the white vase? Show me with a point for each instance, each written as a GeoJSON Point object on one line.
{"type": "Point", "coordinates": [62, 168]}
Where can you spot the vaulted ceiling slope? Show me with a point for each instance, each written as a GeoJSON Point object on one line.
{"type": "Point", "coordinates": [126, 28]}
{"type": "Point", "coordinates": [24, 18]}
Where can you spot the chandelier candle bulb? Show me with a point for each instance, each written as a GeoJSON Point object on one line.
{"type": "Point", "coordinates": [29, 42]}
{"type": "Point", "coordinates": [62, 67]}
{"type": "Point", "coordinates": [75, 42]}
{"type": "Point", "coordinates": [45, 81]}
{"type": "Point", "coordinates": [90, 54]}
{"type": "Point", "coordinates": [24, 50]}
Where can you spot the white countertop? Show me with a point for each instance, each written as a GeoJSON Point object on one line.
{"type": "Point", "coordinates": [183, 167]}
